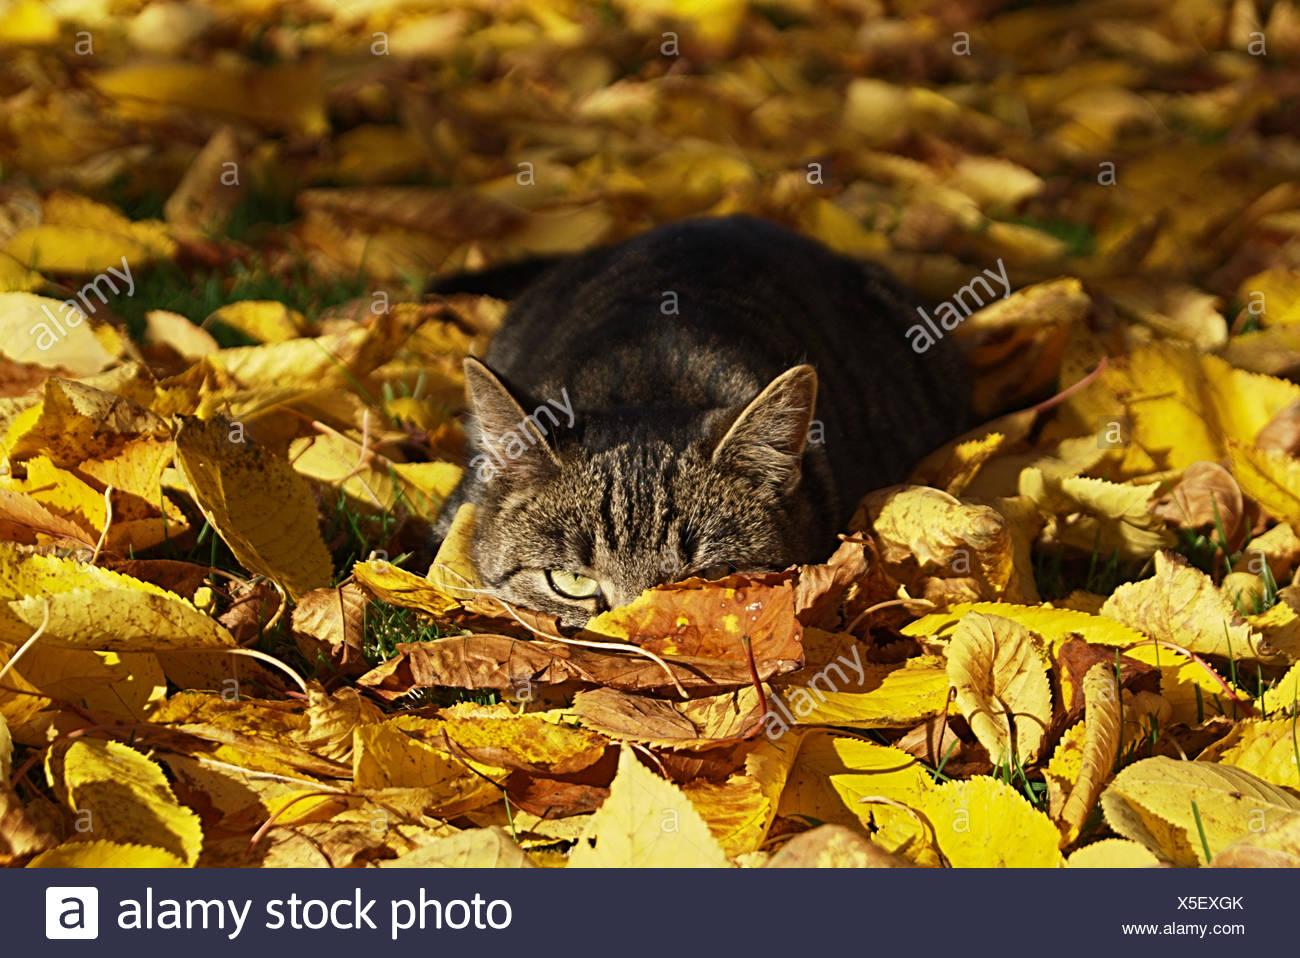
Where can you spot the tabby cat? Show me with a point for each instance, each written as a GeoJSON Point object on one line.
{"type": "Point", "coordinates": [712, 396]}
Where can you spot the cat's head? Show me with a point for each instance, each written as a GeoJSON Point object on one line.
{"type": "Point", "coordinates": [572, 530]}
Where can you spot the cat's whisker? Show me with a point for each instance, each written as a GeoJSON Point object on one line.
{"type": "Point", "coordinates": [621, 646]}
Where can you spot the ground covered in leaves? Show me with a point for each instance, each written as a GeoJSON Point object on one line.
{"type": "Point", "coordinates": [228, 417]}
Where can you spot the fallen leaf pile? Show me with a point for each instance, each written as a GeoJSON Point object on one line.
{"type": "Point", "coordinates": [228, 417]}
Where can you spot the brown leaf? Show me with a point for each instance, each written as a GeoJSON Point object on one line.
{"type": "Point", "coordinates": [694, 723]}
{"type": "Point", "coordinates": [330, 622]}
{"type": "Point", "coordinates": [21, 837]}
{"type": "Point", "coordinates": [455, 214]}
{"type": "Point", "coordinates": [700, 619]}
{"type": "Point", "coordinates": [1075, 657]}
{"type": "Point", "coordinates": [183, 578]}
{"type": "Point", "coordinates": [1282, 431]}
{"type": "Point", "coordinates": [510, 664]}
{"type": "Point", "coordinates": [553, 798]}
{"type": "Point", "coordinates": [252, 606]}
{"type": "Point", "coordinates": [23, 519]}
{"type": "Point", "coordinates": [820, 589]}
{"type": "Point", "coordinates": [834, 846]}
{"type": "Point", "coordinates": [1206, 496]}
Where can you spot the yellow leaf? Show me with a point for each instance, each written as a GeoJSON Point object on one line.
{"type": "Point", "coordinates": [388, 755]}
{"type": "Point", "coordinates": [205, 198]}
{"type": "Point", "coordinates": [833, 774]}
{"type": "Point", "coordinates": [172, 329]}
{"type": "Point", "coordinates": [37, 329]}
{"type": "Point", "coordinates": [931, 540]}
{"type": "Point", "coordinates": [1167, 389]}
{"type": "Point", "coordinates": [371, 479]}
{"type": "Point", "coordinates": [1174, 310]}
{"type": "Point", "coordinates": [106, 854]}
{"type": "Point", "coordinates": [984, 823]}
{"type": "Point", "coordinates": [1186, 685]}
{"type": "Point", "coordinates": [1112, 853]}
{"type": "Point", "coordinates": [1277, 846]}
{"type": "Point", "coordinates": [17, 278]}
{"type": "Point", "coordinates": [76, 249]}
{"type": "Point", "coordinates": [1277, 294]}
{"type": "Point", "coordinates": [715, 21]}
{"type": "Point", "coordinates": [1058, 302]}
{"type": "Point", "coordinates": [256, 502]}
{"type": "Point", "coordinates": [841, 231]}
{"type": "Point", "coordinates": [560, 230]}
{"type": "Point", "coordinates": [1274, 351]}
{"type": "Point", "coordinates": [1266, 749]}
{"type": "Point", "coordinates": [286, 97]}
{"type": "Point", "coordinates": [6, 749]}
{"type": "Point", "coordinates": [475, 848]}
{"type": "Point", "coordinates": [740, 811]}
{"type": "Point", "coordinates": [386, 581]}
{"type": "Point", "coordinates": [335, 360]}
{"type": "Point", "coordinates": [77, 422]}
{"type": "Point", "coordinates": [1180, 604]}
{"type": "Point", "coordinates": [1062, 769]}
{"type": "Point", "coordinates": [631, 829]}
{"type": "Point", "coordinates": [994, 182]}
{"type": "Point", "coordinates": [737, 811]}
{"type": "Point", "coordinates": [1279, 625]}
{"type": "Point", "coordinates": [93, 608]}
{"type": "Point", "coordinates": [1152, 802]}
{"type": "Point", "coordinates": [121, 796]}
{"type": "Point", "coordinates": [1103, 719]}
{"type": "Point", "coordinates": [965, 461]}
{"type": "Point", "coordinates": [1054, 625]}
{"type": "Point", "coordinates": [267, 321]}
{"type": "Point", "coordinates": [998, 669]}
{"type": "Point", "coordinates": [1285, 695]}
{"type": "Point", "coordinates": [1269, 476]}
{"type": "Point", "coordinates": [886, 696]}
{"type": "Point", "coordinates": [1095, 515]}
{"type": "Point", "coordinates": [78, 494]}
{"type": "Point", "coordinates": [331, 720]}
{"type": "Point", "coordinates": [232, 790]}
{"type": "Point", "coordinates": [119, 684]}
{"type": "Point", "coordinates": [497, 735]}
{"type": "Point", "coordinates": [28, 22]}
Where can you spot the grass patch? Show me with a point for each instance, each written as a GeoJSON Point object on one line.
{"type": "Point", "coordinates": [200, 293]}
{"type": "Point", "coordinates": [1057, 573]}
{"type": "Point", "coordinates": [385, 626]}
{"type": "Point", "coordinates": [1077, 237]}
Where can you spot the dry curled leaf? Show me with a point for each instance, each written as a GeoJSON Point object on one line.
{"type": "Point", "coordinates": [998, 669]}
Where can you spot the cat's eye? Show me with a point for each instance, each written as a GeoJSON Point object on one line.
{"type": "Point", "coordinates": [572, 585]}
{"type": "Point", "coordinates": [718, 570]}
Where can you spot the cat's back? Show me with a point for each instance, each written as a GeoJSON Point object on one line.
{"type": "Point", "coordinates": [705, 312]}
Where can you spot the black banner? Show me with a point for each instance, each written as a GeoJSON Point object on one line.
{"type": "Point", "coordinates": [759, 912]}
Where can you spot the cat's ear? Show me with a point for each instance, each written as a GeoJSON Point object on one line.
{"type": "Point", "coordinates": [768, 437]}
{"type": "Point", "coordinates": [509, 438]}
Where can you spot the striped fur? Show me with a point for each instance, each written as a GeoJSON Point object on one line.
{"type": "Point", "coordinates": [678, 462]}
